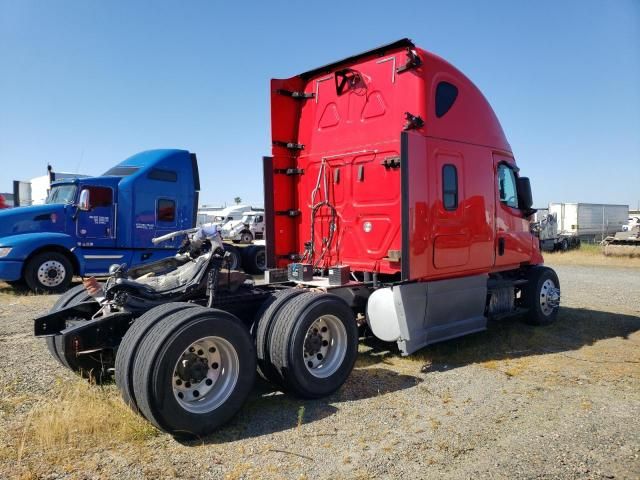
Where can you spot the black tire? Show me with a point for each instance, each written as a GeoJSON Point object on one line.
{"type": "Point", "coordinates": [254, 259]}
{"type": "Point", "coordinates": [234, 259]}
{"type": "Point", "coordinates": [59, 269]}
{"type": "Point", "coordinates": [534, 296]}
{"type": "Point", "coordinates": [564, 245]}
{"type": "Point", "coordinates": [246, 237]}
{"type": "Point", "coordinates": [126, 354]}
{"type": "Point", "coordinates": [262, 331]}
{"type": "Point", "coordinates": [158, 355]}
{"type": "Point", "coordinates": [75, 295]}
{"type": "Point", "coordinates": [289, 337]}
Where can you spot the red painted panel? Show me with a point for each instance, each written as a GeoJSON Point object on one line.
{"type": "Point", "coordinates": [416, 261]}
{"type": "Point", "coordinates": [351, 122]}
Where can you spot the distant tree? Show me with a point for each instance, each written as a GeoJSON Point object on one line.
{"type": "Point", "coordinates": [238, 200]}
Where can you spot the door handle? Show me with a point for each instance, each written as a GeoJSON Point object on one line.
{"type": "Point", "coordinates": [501, 246]}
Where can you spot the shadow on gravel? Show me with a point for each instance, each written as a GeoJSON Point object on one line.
{"type": "Point", "coordinates": [573, 329]}
{"type": "Point", "coordinates": [269, 411]}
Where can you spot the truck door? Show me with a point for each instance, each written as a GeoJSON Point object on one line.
{"type": "Point", "coordinates": [513, 240]}
{"type": "Point", "coordinates": [95, 226]}
{"type": "Point", "coordinates": [258, 225]}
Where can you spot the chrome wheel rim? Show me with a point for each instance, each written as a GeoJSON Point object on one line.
{"type": "Point", "coordinates": [549, 297]}
{"type": "Point", "coordinates": [205, 375]}
{"type": "Point", "coordinates": [325, 346]}
{"type": "Point", "coordinates": [51, 273]}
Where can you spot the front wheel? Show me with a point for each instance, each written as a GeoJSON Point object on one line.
{"type": "Point", "coordinates": [541, 296]}
{"type": "Point", "coordinates": [246, 237]}
{"type": "Point", "coordinates": [48, 272]}
{"type": "Point", "coordinates": [193, 371]}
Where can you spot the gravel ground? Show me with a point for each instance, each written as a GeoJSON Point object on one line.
{"type": "Point", "coordinates": [513, 402]}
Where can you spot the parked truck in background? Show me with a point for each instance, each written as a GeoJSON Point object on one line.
{"type": "Point", "coordinates": [229, 214]}
{"type": "Point", "coordinates": [249, 228]}
{"type": "Point", "coordinates": [551, 238]}
{"type": "Point", "coordinates": [392, 197]}
{"type": "Point", "coordinates": [589, 221]}
{"type": "Point", "coordinates": [36, 190]}
{"type": "Point", "coordinates": [207, 214]}
{"type": "Point", "coordinates": [88, 224]}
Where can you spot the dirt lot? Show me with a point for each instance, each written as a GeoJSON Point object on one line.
{"type": "Point", "coordinates": [513, 402]}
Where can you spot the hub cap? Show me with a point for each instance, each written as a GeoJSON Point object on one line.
{"type": "Point", "coordinates": [325, 346]}
{"type": "Point", "coordinates": [205, 375]}
{"type": "Point", "coordinates": [51, 273]}
{"type": "Point", "coordinates": [549, 297]}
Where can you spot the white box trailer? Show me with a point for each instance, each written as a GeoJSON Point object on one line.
{"type": "Point", "coordinates": [36, 190]}
{"type": "Point", "coordinates": [589, 221]}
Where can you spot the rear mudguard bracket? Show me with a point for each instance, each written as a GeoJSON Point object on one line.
{"type": "Point", "coordinates": [97, 334]}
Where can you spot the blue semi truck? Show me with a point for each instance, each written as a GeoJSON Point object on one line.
{"type": "Point", "coordinates": [88, 224]}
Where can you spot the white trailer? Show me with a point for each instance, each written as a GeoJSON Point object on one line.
{"type": "Point", "coordinates": [235, 212]}
{"type": "Point", "coordinates": [589, 221]}
{"type": "Point", "coordinates": [207, 214]}
{"type": "Point", "coordinates": [36, 190]}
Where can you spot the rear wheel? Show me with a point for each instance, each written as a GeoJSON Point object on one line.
{"type": "Point", "coordinates": [126, 354]}
{"type": "Point", "coordinates": [193, 371]}
{"type": "Point", "coordinates": [74, 296]}
{"type": "Point", "coordinates": [48, 272]}
{"type": "Point", "coordinates": [233, 260]}
{"type": "Point", "coordinates": [263, 328]}
{"type": "Point", "coordinates": [541, 296]}
{"type": "Point", "coordinates": [314, 344]}
{"type": "Point", "coordinates": [564, 245]}
{"type": "Point", "coordinates": [254, 259]}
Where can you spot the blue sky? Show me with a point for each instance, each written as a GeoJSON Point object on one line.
{"type": "Point", "coordinates": [85, 84]}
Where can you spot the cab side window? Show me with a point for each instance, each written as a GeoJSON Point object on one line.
{"type": "Point", "coordinates": [507, 186]}
{"type": "Point", "coordinates": [449, 187]}
{"type": "Point", "coordinates": [100, 196]}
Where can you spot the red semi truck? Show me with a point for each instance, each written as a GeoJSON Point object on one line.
{"type": "Point", "coordinates": [392, 199]}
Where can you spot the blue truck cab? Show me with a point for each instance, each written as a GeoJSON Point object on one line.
{"type": "Point", "coordinates": [88, 224]}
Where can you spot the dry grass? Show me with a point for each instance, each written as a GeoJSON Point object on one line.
{"type": "Point", "coordinates": [75, 419]}
{"type": "Point", "coordinates": [590, 255]}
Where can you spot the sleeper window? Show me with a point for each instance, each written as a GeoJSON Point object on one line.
{"type": "Point", "coordinates": [449, 187]}
{"type": "Point", "coordinates": [166, 210]}
{"type": "Point", "coordinates": [507, 186]}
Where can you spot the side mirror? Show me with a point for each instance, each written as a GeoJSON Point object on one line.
{"type": "Point", "coordinates": [525, 198]}
{"type": "Point", "coordinates": [84, 203]}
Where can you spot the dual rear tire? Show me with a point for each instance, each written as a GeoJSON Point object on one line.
{"type": "Point", "coordinates": [187, 369]}
{"type": "Point", "coordinates": [307, 342]}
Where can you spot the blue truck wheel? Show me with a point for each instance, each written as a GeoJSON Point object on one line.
{"type": "Point", "coordinates": [48, 272]}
